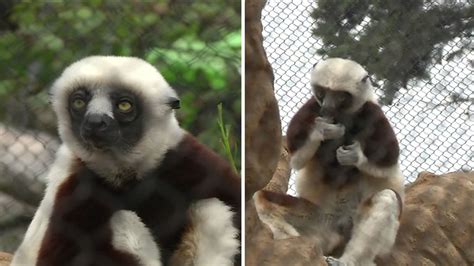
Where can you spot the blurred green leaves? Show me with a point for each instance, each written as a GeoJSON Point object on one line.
{"type": "Point", "coordinates": [210, 65]}
{"type": "Point", "coordinates": [229, 148]}
{"type": "Point", "coordinates": [196, 45]}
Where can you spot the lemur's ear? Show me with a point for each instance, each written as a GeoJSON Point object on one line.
{"type": "Point", "coordinates": [174, 103]}
{"type": "Point", "coordinates": [364, 79]}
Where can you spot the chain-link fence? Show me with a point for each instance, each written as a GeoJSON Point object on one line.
{"type": "Point", "coordinates": [195, 45]}
{"type": "Point", "coordinates": [432, 118]}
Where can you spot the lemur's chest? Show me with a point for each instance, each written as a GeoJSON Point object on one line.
{"type": "Point", "coordinates": [163, 208]}
{"type": "Point", "coordinates": [333, 173]}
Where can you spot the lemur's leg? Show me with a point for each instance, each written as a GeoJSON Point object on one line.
{"type": "Point", "coordinates": [322, 130]}
{"type": "Point", "coordinates": [374, 230]}
{"type": "Point", "coordinates": [130, 235]}
{"type": "Point", "coordinates": [211, 238]}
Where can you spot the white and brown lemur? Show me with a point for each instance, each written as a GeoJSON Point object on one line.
{"type": "Point", "coordinates": [348, 181]}
{"type": "Point", "coordinates": [129, 186]}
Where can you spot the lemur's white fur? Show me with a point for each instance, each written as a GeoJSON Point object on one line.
{"type": "Point", "coordinates": [344, 75]}
{"type": "Point", "coordinates": [214, 233]}
{"type": "Point", "coordinates": [130, 235]}
{"type": "Point", "coordinates": [28, 250]}
{"type": "Point", "coordinates": [100, 103]}
{"type": "Point", "coordinates": [146, 82]}
{"type": "Point", "coordinates": [378, 172]}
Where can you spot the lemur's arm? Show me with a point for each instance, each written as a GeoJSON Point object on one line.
{"type": "Point", "coordinates": [306, 132]}
{"type": "Point", "coordinates": [376, 152]}
{"type": "Point", "coordinates": [203, 175]}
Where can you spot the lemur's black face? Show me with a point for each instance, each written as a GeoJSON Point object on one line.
{"type": "Point", "coordinates": [106, 118]}
{"type": "Point", "coordinates": [333, 102]}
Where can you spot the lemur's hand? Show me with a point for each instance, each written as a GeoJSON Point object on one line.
{"type": "Point", "coordinates": [349, 155]}
{"type": "Point", "coordinates": [325, 129]}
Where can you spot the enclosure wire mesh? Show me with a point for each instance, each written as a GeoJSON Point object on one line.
{"type": "Point", "coordinates": [433, 135]}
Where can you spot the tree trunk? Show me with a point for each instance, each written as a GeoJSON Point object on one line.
{"type": "Point", "coordinates": [262, 119]}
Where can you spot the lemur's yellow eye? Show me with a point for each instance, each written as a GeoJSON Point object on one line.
{"type": "Point", "coordinates": [78, 104]}
{"type": "Point", "coordinates": [124, 106]}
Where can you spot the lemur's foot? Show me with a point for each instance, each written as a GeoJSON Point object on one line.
{"type": "Point", "coordinates": [331, 261]}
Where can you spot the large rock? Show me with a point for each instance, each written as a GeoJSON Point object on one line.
{"type": "Point", "coordinates": [262, 120]}
{"type": "Point", "coordinates": [437, 226]}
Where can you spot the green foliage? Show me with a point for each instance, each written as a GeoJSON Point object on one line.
{"type": "Point", "coordinates": [396, 40]}
{"type": "Point", "coordinates": [196, 45]}
{"type": "Point", "coordinates": [226, 138]}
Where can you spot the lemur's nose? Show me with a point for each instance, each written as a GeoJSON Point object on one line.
{"type": "Point", "coordinates": [97, 122]}
{"type": "Point", "coordinates": [327, 112]}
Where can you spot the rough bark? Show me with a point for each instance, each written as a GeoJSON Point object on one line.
{"type": "Point", "coordinates": [261, 248]}
{"type": "Point", "coordinates": [5, 259]}
{"type": "Point", "coordinates": [281, 177]}
{"type": "Point", "coordinates": [262, 119]}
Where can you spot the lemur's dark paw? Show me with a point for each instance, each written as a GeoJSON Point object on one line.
{"type": "Point", "coordinates": [349, 155]}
